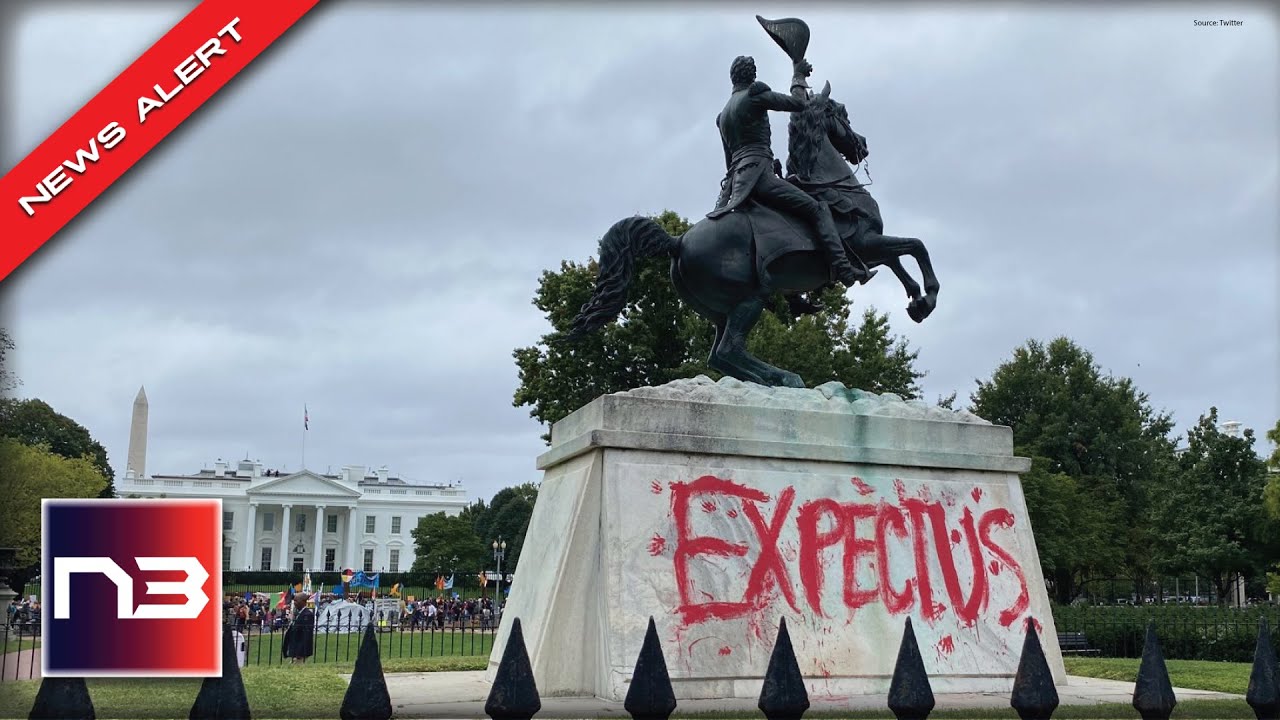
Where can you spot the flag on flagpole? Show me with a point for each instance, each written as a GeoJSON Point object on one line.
{"type": "Point", "coordinates": [484, 580]}
{"type": "Point", "coordinates": [306, 418]}
{"type": "Point", "coordinates": [449, 585]}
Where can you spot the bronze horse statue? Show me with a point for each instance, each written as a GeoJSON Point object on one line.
{"type": "Point", "coordinates": [727, 268]}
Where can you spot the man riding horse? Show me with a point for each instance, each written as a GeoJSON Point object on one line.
{"type": "Point", "coordinates": [728, 266]}
{"type": "Point", "coordinates": [749, 163]}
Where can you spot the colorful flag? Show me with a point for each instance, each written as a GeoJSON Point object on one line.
{"type": "Point", "coordinates": [395, 590]}
{"type": "Point", "coordinates": [484, 580]}
{"type": "Point", "coordinates": [449, 585]}
{"type": "Point", "coordinates": [306, 582]}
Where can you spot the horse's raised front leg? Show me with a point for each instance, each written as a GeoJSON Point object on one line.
{"type": "Point", "coordinates": [891, 246]}
{"type": "Point", "coordinates": [732, 349]}
{"type": "Point", "coordinates": [908, 283]}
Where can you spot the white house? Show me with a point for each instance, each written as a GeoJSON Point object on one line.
{"type": "Point", "coordinates": [305, 521]}
{"type": "Point", "coordinates": [300, 521]}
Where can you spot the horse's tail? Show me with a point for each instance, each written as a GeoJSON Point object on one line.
{"type": "Point", "coordinates": [628, 240]}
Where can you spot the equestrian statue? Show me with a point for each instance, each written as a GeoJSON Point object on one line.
{"type": "Point", "coordinates": [768, 233]}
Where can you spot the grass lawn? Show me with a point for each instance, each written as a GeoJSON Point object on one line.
{"type": "Point", "coordinates": [1192, 674]}
{"type": "Point", "coordinates": [397, 646]}
{"type": "Point", "coordinates": [13, 644]}
{"type": "Point", "coordinates": [1197, 709]}
{"type": "Point", "coordinates": [307, 691]}
{"type": "Point", "coordinates": [317, 690]}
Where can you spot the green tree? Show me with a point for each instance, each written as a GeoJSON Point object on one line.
{"type": "Point", "coordinates": [507, 517]}
{"type": "Point", "coordinates": [1271, 496]}
{"type": "Point", "coordinates": [34, 422]}
{"type": "Point", "coordinates": [438, 539]}
{"type": "Point", "coordinates": [29, 473]}
{"type": "Point", "coordinates": [1099, 432]}
{"type": "Point", "coordinates": [658, 339]}
{"type": "Point", "coordinates": [1211, 520]}
{"type": "Point", "coordinates": [8, 381]}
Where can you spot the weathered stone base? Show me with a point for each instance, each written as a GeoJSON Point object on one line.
{"type": "Point", "coordinates": [719, 508]}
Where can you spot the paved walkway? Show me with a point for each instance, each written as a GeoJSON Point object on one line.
{"type": "Point", "coordinates": [462, 695]}
{"type": "Point", "coordinates": [21, 665]}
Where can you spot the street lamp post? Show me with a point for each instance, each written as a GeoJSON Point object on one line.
{"type": "Point", "coordinates": [499, 552]}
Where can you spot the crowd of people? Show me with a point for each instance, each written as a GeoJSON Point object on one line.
{"type": "Point", "coordinates": [260, 612]}
{"type": "Point", "coordinates": [453, 612]}
{"type": "Point", "coordinates": [22, 612]}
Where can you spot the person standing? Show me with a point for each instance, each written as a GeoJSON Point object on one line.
{"type": "Point", "coordinates": [299, 638]}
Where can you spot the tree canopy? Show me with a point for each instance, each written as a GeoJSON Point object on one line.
{"type": "Point", "coordinates": [8, 381]}
{"type": "Point", "coordinates": [658, 339]}
{"type": "Point", "coordinates": [34, 422]}
{"type": "Point", "coordinates": [468, 536]}
{"type": "Point", "coordinates": [1271, 496]}
{"type": "Point", "coordinates": [29, 473]}
{"type": "Point", "coordinates": [1098, 450]}
{"type": "Point", "coordinates": [1211, 520]}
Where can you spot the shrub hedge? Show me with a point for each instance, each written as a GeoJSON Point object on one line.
{"type": "Point", "coordinates": [1186, 632]}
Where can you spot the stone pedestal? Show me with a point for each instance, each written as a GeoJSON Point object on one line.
{"type": "Point", "coordinates": [719, 508]}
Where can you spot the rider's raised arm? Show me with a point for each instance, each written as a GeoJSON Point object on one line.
{"type": "Point", "coordinates": [799, 89]}
{"type": "Point", "coordinates": [761, 94]}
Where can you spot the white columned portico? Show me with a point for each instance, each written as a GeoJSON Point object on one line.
{"type": "Point", "coordinates": [317, 557]}
{"type": "Point", "coordinates": [350, 551]}
{"type": "Point", "coordinates": [249, 542]}
{"type": "Point", "coordinates": [284, 537]}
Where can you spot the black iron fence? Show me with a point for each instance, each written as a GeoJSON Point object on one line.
{"type": "Point", "coordinates": [340, 642]}
{"type": "Point", "coordinates": [514, 694]}
{"type": "Point", "coordinates": [21, 659]}
{"type": "Point", "coordinates": [1186, 632]}
{"type": "Point", "coordinates": [258, 643]}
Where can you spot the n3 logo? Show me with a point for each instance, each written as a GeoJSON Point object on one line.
{"type": "Point", "coordinates": [192, 587]}
{"type": "Point", "coordinates": [131, 587]}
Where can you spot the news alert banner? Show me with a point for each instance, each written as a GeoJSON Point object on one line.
{"type": "Point", "coordinates": [131, 115]}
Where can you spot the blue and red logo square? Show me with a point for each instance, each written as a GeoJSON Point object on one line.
{"type": "Point", "coordinates": [131, 588]}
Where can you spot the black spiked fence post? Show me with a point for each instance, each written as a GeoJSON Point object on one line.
{"type": "Point", "coordinates": [783, 696]}
{"type": "Point", "coordinates": [367, 697]}
{"type": "Point", "coordinates": [1034, 695]}
{"type": "Point", "coordinates": [910, 695]}
{"type": "Point", "coordinates": [1153, 693]}
{"type": "Point", "coordinates": [1264, 680]}
{"type": "Point", "coordinates": [514, 695]}
{"type": "Point", "coordinates": [222, 697]}
{"type": "Point", "coordinates": [62, 699]}
{"type": "Point", "coordinates": [650, 696]}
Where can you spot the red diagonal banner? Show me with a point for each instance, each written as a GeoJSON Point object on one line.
{"type": "Point", "coordinates": [131, 115]}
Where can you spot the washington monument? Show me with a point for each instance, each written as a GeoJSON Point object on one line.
{"type": "Point", "coordinates": [137, 461]}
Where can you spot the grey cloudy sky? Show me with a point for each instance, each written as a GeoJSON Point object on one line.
{"type": "Point", "coordinates": [359, 221]}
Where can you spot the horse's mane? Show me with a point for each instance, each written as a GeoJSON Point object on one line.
{"type": "Point", "coordinates": [806, 131]}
